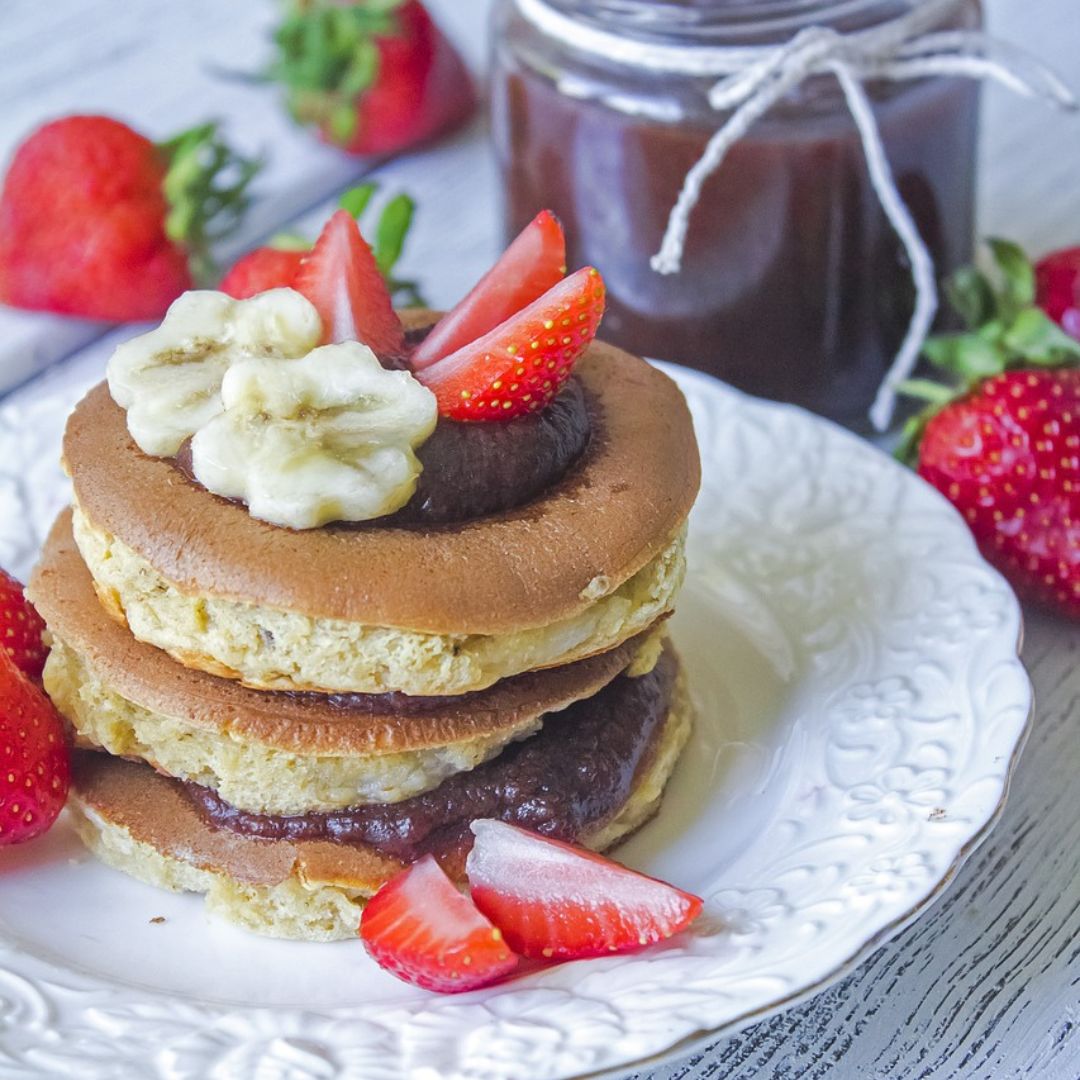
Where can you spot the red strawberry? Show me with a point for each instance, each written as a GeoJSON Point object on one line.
{"type": "Point", "coordinates": [1004, 444]}
{"type": "Point", "coordinates": [519, 366]}
{"type": "Point", "coordinates": [1057, 288]}
{"type": "Point", "coordinates": [1007, 455]}
{"type": "Point", "coordinates": [21, 628]}
{"type": "Point", "coordinates": [260, 270]}
{"type": "Point", "coordinates": [556, 901]}
{"type": "Point", "coordinates": [374, 76]}
{"type": "Point", "coordinates": [34, 767]}
{"type": "Point", "coordinates": [341, 278]}
{"type": "Point", "coordinates": [532, 264]}
{"type": "Point", "coordinates": [99, 222]}
{"type": "Point", "coordinates": [421, 929]}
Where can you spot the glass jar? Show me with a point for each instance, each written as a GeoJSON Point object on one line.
{"type": "Point", "coordinates": [793, 284]}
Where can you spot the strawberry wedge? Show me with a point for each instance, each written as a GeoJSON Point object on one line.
{"type": "Point", "coordinates": [341, 278]}
{"type": "Point", "coordinates": [554, 901]}
{"type": "Point", "coordinates": [421, 929]}
{"type": "Point", "coordinates": [532, 264]}
{"type": "Point", "coordinates": [518, 367]}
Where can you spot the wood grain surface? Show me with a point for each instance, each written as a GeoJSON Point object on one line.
{"type": "Point", "coordinates": [987, 983]}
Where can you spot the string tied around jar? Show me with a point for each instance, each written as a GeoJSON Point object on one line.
{"type": "Point", "coordinates": [756, 78]}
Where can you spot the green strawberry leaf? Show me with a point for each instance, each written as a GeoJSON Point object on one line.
{"type": "Point", "coordinates": [927, 390]}
{"type": "Point", "coordinates": [1017, 274]}
{"type": "Point", "coordinates": [343, 123]}
{"type": "Point", "coordinates": [206, 186]}
{"type": "Point", "coordinates": [1035, 338]}
{"type": "Point", "coordinates": [355, 200]}
{"type": "Point", "coordinates": [971, 296]}
{"type": "Point", "coordinates": [967, 356]}
{"type": "Point", "coordinates": [394, 224]}
{"type": "Point", "coordinates": [328, 55]}
{"type": "Point", "coordinates": [359, 73]}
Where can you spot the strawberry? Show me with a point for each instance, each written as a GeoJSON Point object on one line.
{"type": "Point", "coordinates": [1003, 443]}
{"type": "Point", "coordinates": [556, 901]}
{"type": "Point", "coordinates": [1057, 288]}
{"type": "Point", "coordinates": [99, 222]}
{"type": "Point", "coordinates": [34, 768]}
{"type": "Point", "coordinates": [277, 264]}
{"type": "Point", "coordinates": [341, 278]}
{"type": "Point", "coordinates": [260, 270]}
{"type": "Point", "coordinates": [518, 367]}
{"type": "Point", "coordinates": [21, 628]}
{"type": "Point", "coordinates": [373, 76]}
{"type": "Point", "coordinates": [421, 929]}
{"type": "Point", "coordinates": [532, 264]}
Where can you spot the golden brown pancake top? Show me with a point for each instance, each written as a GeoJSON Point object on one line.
{"type": "Point", "coordinates": [618, 508]}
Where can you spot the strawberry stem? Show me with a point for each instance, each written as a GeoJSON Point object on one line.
{"type": "Point", "coordinates": [928, 390]}
{"type": "Point", "coordinates": [206, 186]}
{"type": "Point", "coordinates": [1005, 331]}
{"type": "Point", "coordinates": [328, 56]}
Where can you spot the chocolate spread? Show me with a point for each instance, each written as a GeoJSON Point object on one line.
{"type": "Point", "coordinates": [472, 470]}
{"type": "Point", "coordinates": [575, 774]}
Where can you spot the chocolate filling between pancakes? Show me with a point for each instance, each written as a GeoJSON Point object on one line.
{"type": "Point", "coordinates": [574, 774]}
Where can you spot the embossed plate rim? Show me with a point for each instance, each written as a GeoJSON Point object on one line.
{"type": "Point", "coordinates": [59, 1000]}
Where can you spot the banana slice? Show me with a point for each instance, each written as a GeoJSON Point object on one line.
{"type": "Point", "coordinates": [330, 437]}
{"type": "Point", "coordinates": [169, 380]}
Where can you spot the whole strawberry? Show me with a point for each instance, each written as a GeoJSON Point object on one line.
{"type": "Point", "coordinates": [1057, 288]}
{"type": "Point", "coordinates": [1004, 444]}
{"type": "Point", "coordinates": [99, 222]}
{"type": "Point", "coordinates": [21, 628]}
{"type": "Point", "coordinates": [373, 76]}
{"type": "Point", "coordinates": [35, 771]}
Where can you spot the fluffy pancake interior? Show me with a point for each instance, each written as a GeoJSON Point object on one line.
{"type": "Point", "coordinates": [262, 778]}
{"type": "Point", "coordinates": [286, 650]}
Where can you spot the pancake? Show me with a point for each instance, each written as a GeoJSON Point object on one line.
{"type": "Point", "coordinates": [446, 610]}
{"type": "Point", "coordinates": [276, 752]}
{"type": "Point", "coordinates": [144, 824]}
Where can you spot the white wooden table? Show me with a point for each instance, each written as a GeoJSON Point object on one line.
{"type": "Point", "coordinates": [987, 983]}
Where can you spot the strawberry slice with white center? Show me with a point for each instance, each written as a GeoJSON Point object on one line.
{"type": "Point", "coordinates": [341, 278]}
{"type": "Point", "coordinates": [421, 929]}
{"type": "Point", "coordinates": [554, 901]}
{"type": "Point", "coordinates": [532, 264]}
{"type": "Point", "coordinates": [518, 367]}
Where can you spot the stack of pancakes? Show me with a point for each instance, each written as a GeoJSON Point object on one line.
{"type": "Point", "coordinates": [283, 719]}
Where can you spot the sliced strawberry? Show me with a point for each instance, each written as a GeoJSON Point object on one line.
{"type": "Point", "coordinates": [341, 278]}
{"type": "Point", "coordinates": [556, 901]}
{"type": "Point", "coordinates": [532, 264]}
{"type": "Point", "coordinates": [519, 366]}
{"type": "Point", "coordinates": [421, 929]}
{"type": "Point", "coordinates": [260, 270]}
{"type": "Point", "coordinates": [21, 628]}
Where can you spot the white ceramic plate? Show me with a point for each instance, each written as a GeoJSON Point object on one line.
{"type": "Point", "coordinates": [861, 708]}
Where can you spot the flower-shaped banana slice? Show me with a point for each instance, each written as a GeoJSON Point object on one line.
{"type": "Point", "coordinates": [330, 437]}
{"type": "Point", "coordinates": [169, 380]}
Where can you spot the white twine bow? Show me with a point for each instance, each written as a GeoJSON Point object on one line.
{"type": "Point", "coordinates": [755, 79]}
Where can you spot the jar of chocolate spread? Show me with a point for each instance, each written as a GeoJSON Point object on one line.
{"type": "Point", "coordinates": [793, 284]}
